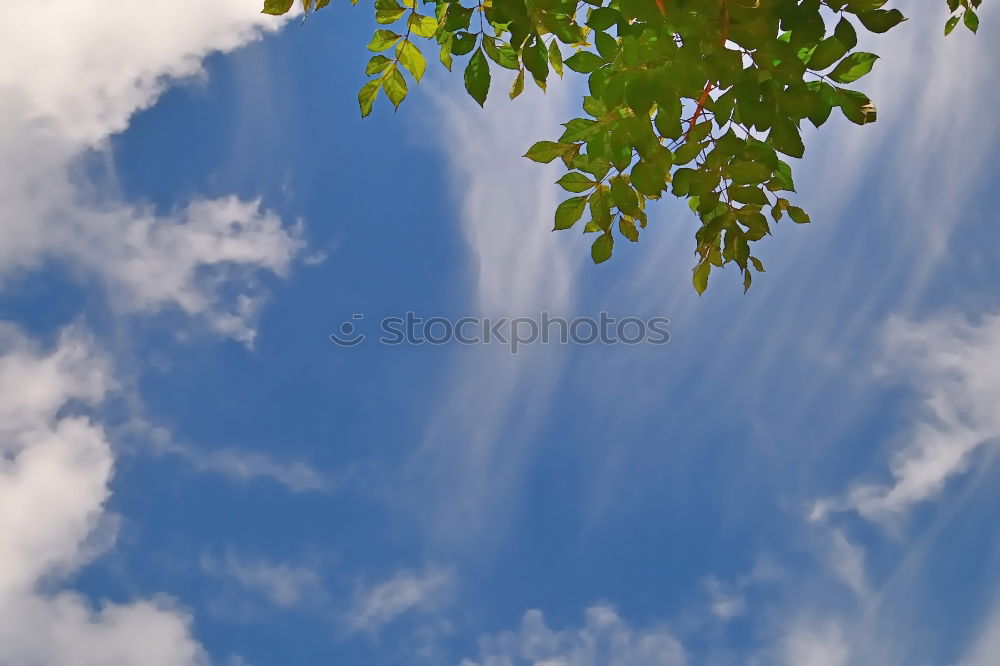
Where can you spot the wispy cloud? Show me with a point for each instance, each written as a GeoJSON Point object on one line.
{"type": "Point", "coordinates": [605, 638]}
{"type": "Point", "coordinates": [281, 584]}
{"type": "Point", "coordinates": [405, 592]}
{"type": "Point", "coordinates": [984, 651]}
{"type": "Point", "coordinates": [726, 601]}
{"type": "Point", "coordinates": [232, 463]}
{"type": "Point", "coordinates": [474, 452]}
{"type": "Point", "coordinates": [956, 365]}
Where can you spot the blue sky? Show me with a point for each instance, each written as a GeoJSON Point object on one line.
{"type": "Point", "coordinates": [193, 473]}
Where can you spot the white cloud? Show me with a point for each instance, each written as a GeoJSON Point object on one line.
{"type": "Point", "coordinates": [956, 365]}
{"type": "Point", "coordinates": [820, 645]}
{"type": "Point", "coordinates": [478, 442]}
{"type": "Point", "coordinates": [83, 71]}
{"type": "Point", "coordinates": [283, 585]}
{"type": "Point", "coordinates": [985, 649]}
{"type": "Point", "coordinates": [91, 70]}
{"type": "Point", "coordinates": [847, 560]}
{"type": "Point", "coordinates": [605, 639]}
{"type": "Point", "coordinates": [725, 601]}
{"type": "Point", "coordinates": [915, 120]}
{"type": "Point", "coordinates": [233, 463]}
{"type": "Point", "coordinates": [405, 592]}
{"type": "Point", "coordinates": [54, 476]}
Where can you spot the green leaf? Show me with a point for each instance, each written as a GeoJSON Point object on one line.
{"type": "Point", "coordinates": [971, 20]}
{"type": "Point", "coordinates": [623, 196]}
{"type": "Point", "coordinates": [600, 209]}
{"type": "Point", "coordinates": [758, 266]}
{"type": "Point", "coordinates": [386, 16]}
{"type": "Point", "coordinates": [881, 20]}
{"type": "Point", "coordinates": [687, 152]}
{"type": "Point", "coordinates": [555, 58]}
{"type": "Point", "coordinates": [422, 26]}
{"type": "Point", "coordinates": [546, 151]}
{"type": "Point", "coordinates": [444, 53]}
{"type": "Point", "coordinates": [562, 26]}
{"type": "Point", "coordinates": [649, 179]}
{"type": "Point", "coordinates": [411, 58]}
{"type": "Point", "coordinates": [601, 250]}
{"type": "Point", "coordinates": [578, 129]}
{"type": "Point", "coordinates": [463, 43]}
{"type": "Point", "coordinates": [748, 173]}
{"type": "Point", "coordinates": [856, 106]}
{"type": "Point", "coordinates": [950, 25]}
{"type": "Point", "coordinates": [517, 87]}
{"type": "Point", "coordinates": [535, 59]}
{"type": "Point", "coordinates": [569, 211]}
{"type": "Point", "coordinates": [603, 18]}
{"type": "Point", "coordinates": [827, 52]}
{"type": "Point", "coordinates": [628, 230]}
{"type": "Point", "coordinates": [477, 77]}
{"type": "Point", "coordinates": [639, 93]}
{"type": "Point", "coordinates": [682, 181]}
{"type": "Point", "coordinates": [700, 277]}
{"type": "Point", "coordinates": [853, 67]}
{"type": "Point", "coordinates": [394, 85]}
{"type": "Point", "coordinates": [377, 64]}
{"type": "Point", "coordinates": [367, 95]}
{"type": "Point", "coordinates": [504, 55]}
{"type": "Point", "coordinates": [798, 215]}
{"type": "Point", "coordinates": [782, 178]}
{"type": "Point", "coordinates": [277, 7]}
{"type": "Point", "coordinates": [747, 279]}
{"type": "Point", "coordinates": [748, 194]}
{"type": "Point", "coordinates": [458, 17]}
{"type": "Point", "coordinates": [383, 40]}
{"type": "Point", "coordinates": [785, 137]}
{"type": "Point", "coordinates": [584, 62]}
{"type": "Point", "coordinates": [857, 6]}
{"type": "Point", "coordinates": [607, 46]}
{"type": "Point", "coordinates": [699, 132]}
{"type": "Point", "coordinates": [575, 181]}
{"type": "Point", "coordinates": [846, 33]}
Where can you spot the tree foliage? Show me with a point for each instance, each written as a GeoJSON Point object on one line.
{"type": "Point", "coordinates": [702, 99]}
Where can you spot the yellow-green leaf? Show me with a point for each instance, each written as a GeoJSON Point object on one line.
{"type": "Point", "coordinates": [395, 86]}
{"type": "Point", "coordinates": [277, 7]}
{"type": "Point", "coordinates": [700, 277]}
{"type": "Point", "coordinates": [574, 181]}
{"type": "Point", "coordinates": [546, 151]}
{"type": "Point", "coordinates": [383, 40]}
{"type": "Point", "coordinates": [601, 250]}
{"type": "Point", "coordinates": [569, 211]}
{"type": "Point", "coordinates": [410, 57]}
{"type": "Point", "coordinates": [517, 87]}
{"type": "Point", "coordinates": [422, 26]}
{"type": "Point", "coordinates": [555, 58]}
{"type": "Point", "coordinates": [377, 64]}
{"type": "Point", "coordinates": [367, 95]}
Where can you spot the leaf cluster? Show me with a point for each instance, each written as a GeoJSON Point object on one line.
{"type": "Point", "coordinates": [702, 99]}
